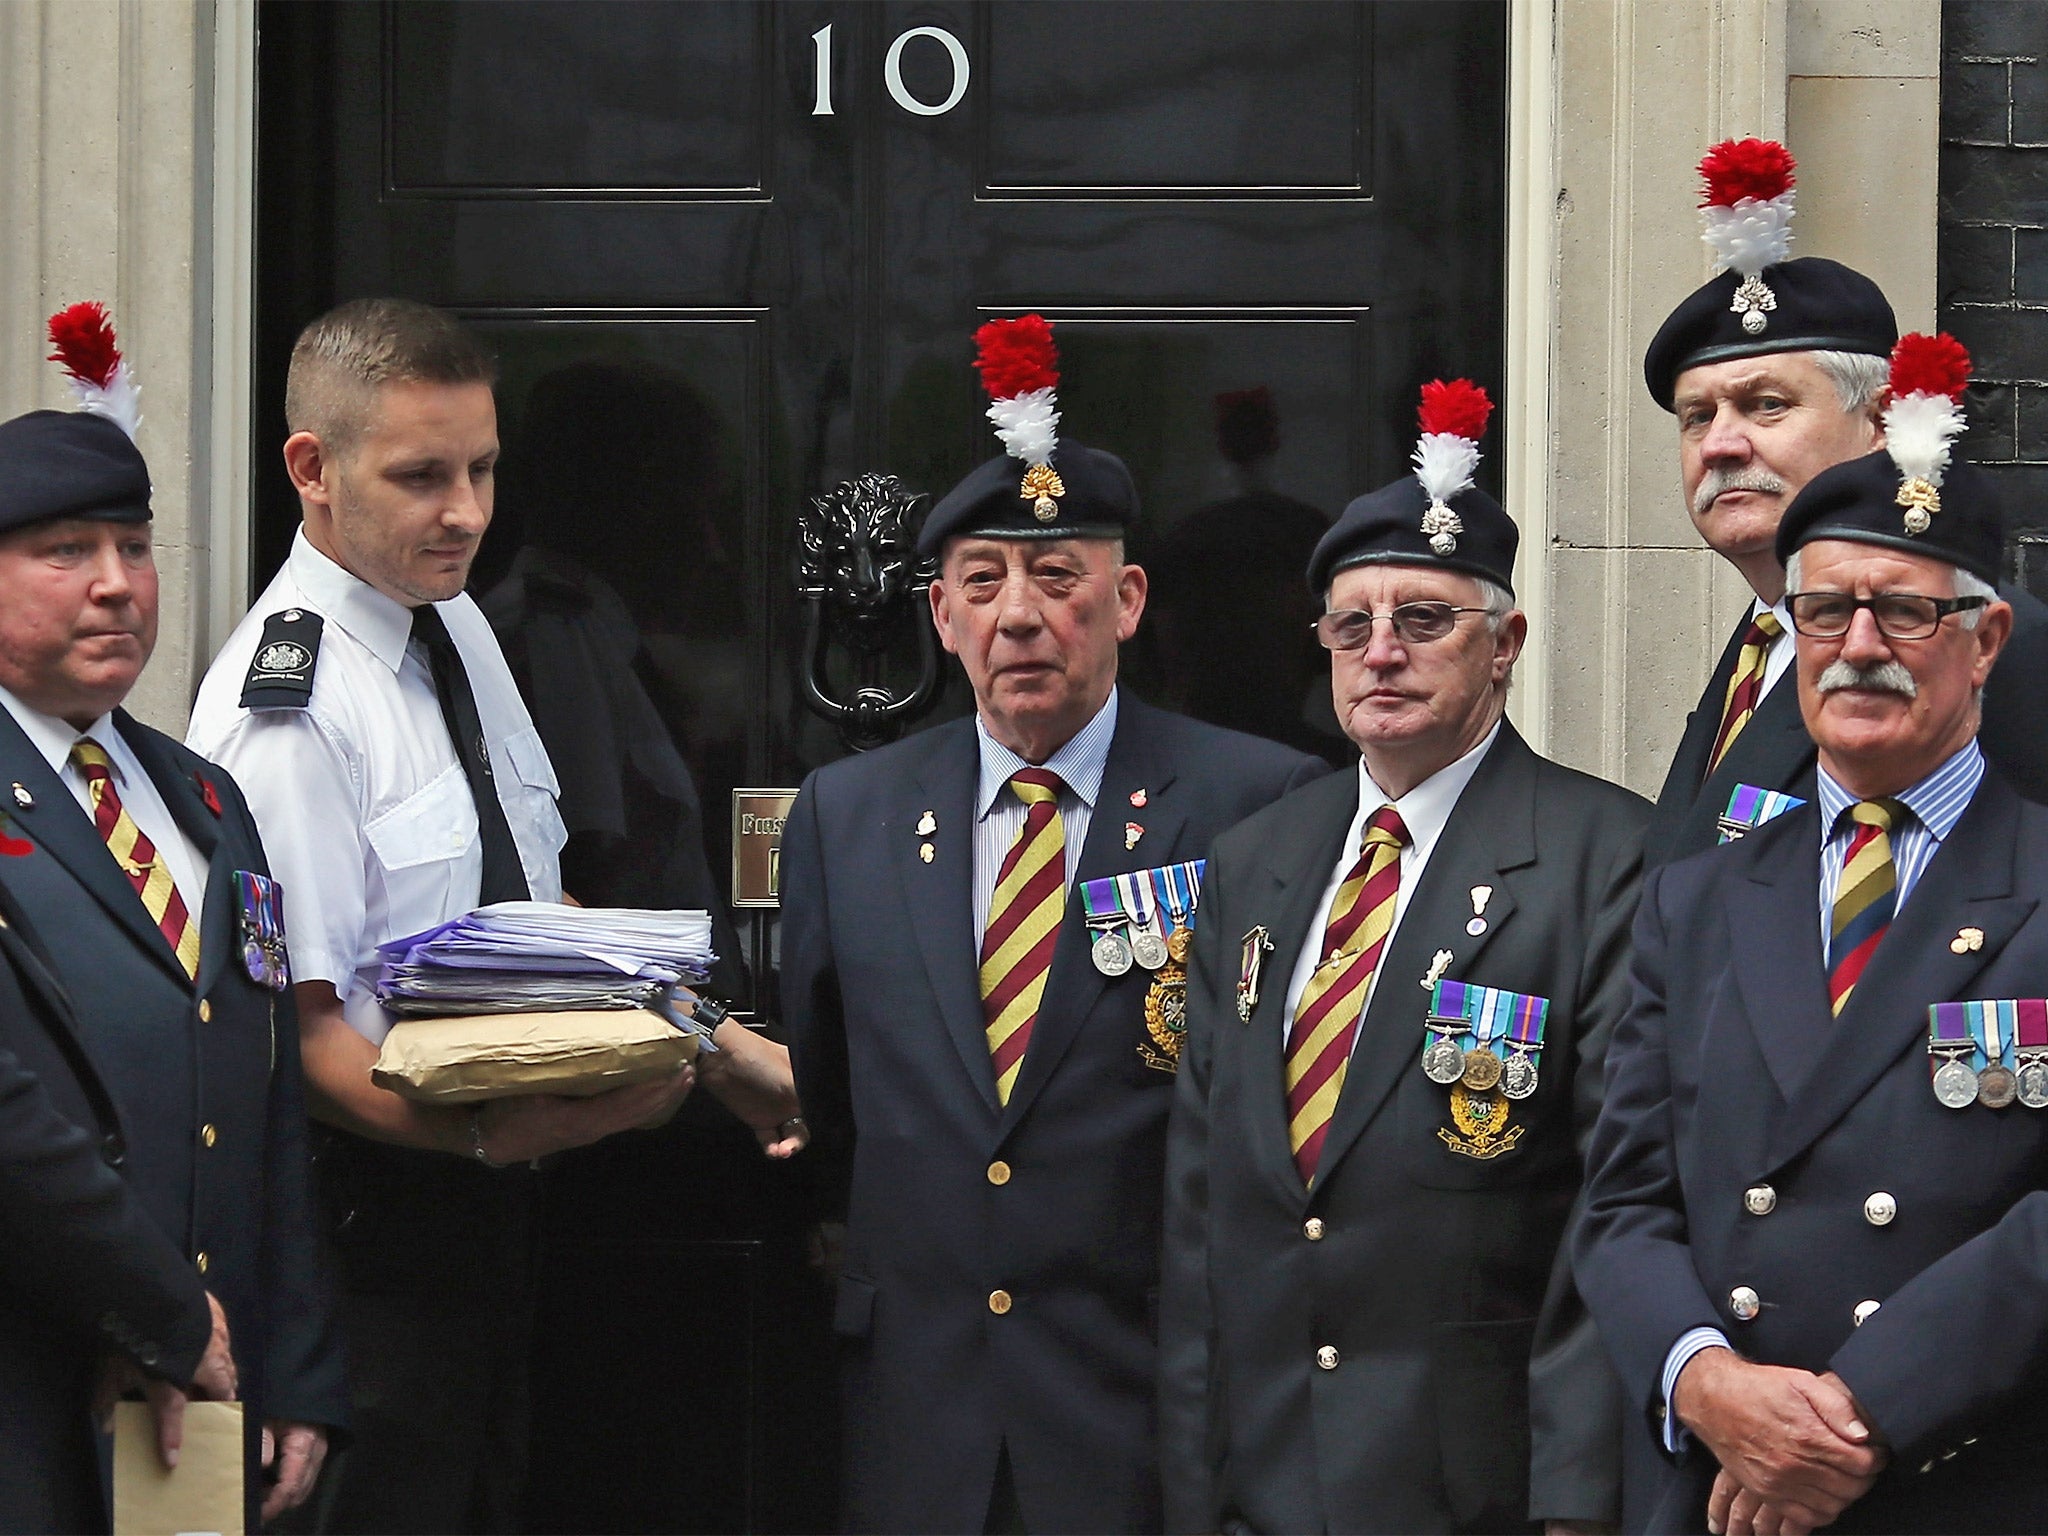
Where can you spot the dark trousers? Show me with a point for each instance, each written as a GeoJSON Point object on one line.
{"type": "Point", "coordinates": [437, 1261]}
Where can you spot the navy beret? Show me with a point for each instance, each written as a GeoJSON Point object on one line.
{"type": "Point", "coordinates": [69, 464]}
{"type": "Point", "coordinates": [1099, 502]}
{"type": "Point", "coordinates": [1822, 306]}
{"type": "Point", "coordinates": [1385, 527]}
{"type": "Point", "coordinates": [1859, 501]}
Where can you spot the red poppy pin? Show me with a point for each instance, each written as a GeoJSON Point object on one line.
{"type": "Point", "coordinates": [206, 792]}
{"type": "Point", "coordinates": [11, 846]}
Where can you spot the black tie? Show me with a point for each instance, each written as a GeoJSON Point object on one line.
{"type": "Point", "coordinates": [504, 878]}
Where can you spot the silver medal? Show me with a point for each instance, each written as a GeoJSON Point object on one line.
{"type": "Point", "coordinates": [2031, 1085]}
{"type": "Point", "coordinates": [1518, 1076]}
{"type": "Point", "coordinates": [1442, 1061]}
{"type": "Point", "coordinates": [1955, 1085]}
{"type": "Point", "coordinates": [1147, 948]}
{"type": "Point", "coordinates": [1995, 1086]}
{"type": "Point", "coordinates": [1112, 954]}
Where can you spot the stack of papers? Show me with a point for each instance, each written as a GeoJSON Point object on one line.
{"type": "Point", "coordinates": [538, 957]}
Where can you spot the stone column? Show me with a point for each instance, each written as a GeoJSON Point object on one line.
{"type": "Point", "coordinates": [128, 178]}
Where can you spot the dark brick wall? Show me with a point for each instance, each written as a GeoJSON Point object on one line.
{"type": "Point", "coordinates": [1993, 249]}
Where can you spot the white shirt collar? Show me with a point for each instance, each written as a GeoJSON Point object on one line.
{"type": "Point", "coordinates": [1427, 807]}
{"type": "Point", "coordinates": [346, 601]}
{"type": "Point", "coordinates": [53, 738]}
{"type": "Point", "coordinates": [1079, 763]}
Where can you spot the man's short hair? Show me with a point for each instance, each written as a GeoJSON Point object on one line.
{"type": "Point", "coordinates": [1859, 378]}
{"type": "Point", "coordinates": [343, 358]}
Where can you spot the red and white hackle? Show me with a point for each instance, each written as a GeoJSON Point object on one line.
{"type": "Point", "coordinates": [1453, 418]}
{"type": "Point", "coordinates": [1019, 368]}
{"type": "Point", "coordinates": [1746, 216]}
{"type": "Point", "coordinates": [1924, 418]}
{"type": "Point", "coordinates": [100, 380]}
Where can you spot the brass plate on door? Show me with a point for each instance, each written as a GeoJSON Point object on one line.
{"type": "Point", "coordinates": [757, 819]}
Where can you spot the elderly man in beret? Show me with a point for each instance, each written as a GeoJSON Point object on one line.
{"type": "Point", "coordinates": [154, 1200]}
{"type": "Point", "coordinates": [1399, 1004]}
{"type": "Point", "coordinates": [961, 916]}
{"type": "Point", "coordinates": [1775, 370]}
{"type": "Point", "coordinates": [1816, 1221]}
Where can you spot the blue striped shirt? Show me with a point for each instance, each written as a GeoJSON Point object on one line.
{"type": "Point", "coordinates": [999, 814]}
{"type": "Point", "coordinates": [1937, 803]}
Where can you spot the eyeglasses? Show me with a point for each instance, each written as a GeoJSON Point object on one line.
{"type": "Point", "coordinates": [1346, 629]}
{"type": "Point", "coordinates": [1899, 615]}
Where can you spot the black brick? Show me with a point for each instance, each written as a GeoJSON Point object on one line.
{"type": "Point", "coordinates": [1976, 265]}
{"type": "Point", "coordinates": [1999, 185]}
{"type": "Point", "coordinates": [2030, 103]}
{"type": "Point", "coordinates": [2033, 430]}
{"type": "Point", "coordinates": [2030, 265]}
{"type": "Point", "coordinates": [2003, 343]}
{"type": "Point", "coordinates": [2023, 491]}
{"type": "Point", "coordinates": [1973, 103]}
{"type": "Point", "coordinates": [1989, 408]}
{"type": "Point", "coordinates": [2003, 27]}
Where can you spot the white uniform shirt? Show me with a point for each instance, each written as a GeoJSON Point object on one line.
{"type": "Point", "coordinates": [365, 811]}
{"type": "Point", "coordinates": [1425, 811]}
{"type": "Point", "coordinates": [53, 738]}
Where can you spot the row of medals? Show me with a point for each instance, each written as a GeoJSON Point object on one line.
{"type": "Point", "coordinates": [1115, 954]}
{"type": "Point", "coordinates": [1957, 1086]}
{"type": "Point", "coordinates": [1480, 1070]}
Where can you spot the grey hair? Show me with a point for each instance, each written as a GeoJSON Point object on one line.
{"type": "Point", "coordinates": [1967, 584]}
{"type": "Point", "coordinates": [1498, 601]}
{"type": "Point", "coordinates": [1858, 377]}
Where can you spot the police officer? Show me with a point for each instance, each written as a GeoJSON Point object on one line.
{"type": "Point", "coordinates": [401, 783]}
{"type": "Point", "coordinates": [1815, 1217]}
{"type": "Point", "coordinates": [132, 882]}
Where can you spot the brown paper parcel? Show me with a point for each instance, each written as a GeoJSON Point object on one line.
{"type": "Point", "coordinates": [489, 1056]}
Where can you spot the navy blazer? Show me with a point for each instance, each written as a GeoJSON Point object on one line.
{"type": "Point", "coordinates": [209, 1120]}
{"type": "Point", "coordinates": [1468, 1391]}
{"type": "Point", "coordinates": [1054, 1198]}
{"type": "Point", "coordinates": [1774, 752]}
{"type": "Point", "coordinates": [1729, 1074]}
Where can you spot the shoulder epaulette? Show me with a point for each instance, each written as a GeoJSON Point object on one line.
{"type": "Point", "coordinates": [281, 672]}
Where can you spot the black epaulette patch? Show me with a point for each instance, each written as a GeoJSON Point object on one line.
{"type": "Point", "coordinates": [281, 673]}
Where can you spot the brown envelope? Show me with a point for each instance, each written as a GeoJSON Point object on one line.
{"type": "Point", "coordinates": [204, 1491]}
{"type": "Point", "coordinates": [487, 1056]}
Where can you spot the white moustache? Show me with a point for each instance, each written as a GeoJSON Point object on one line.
{"type": "Point", "coordinates": [1883, 677]}
{"type": "Point", "coordinates": [1720, 481]}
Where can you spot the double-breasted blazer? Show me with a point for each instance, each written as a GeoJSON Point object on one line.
{"type": "Point", "coordinates": [1399, 1347]}
{"type": "Point", "coordinates": [1751, 1139]}
{"type": "Point", "coordinates": [206, 1118]}
{"type": "Point", "coordinates": [1774, 752]}
{"type": "Point", "coordinates": [1052, 1199]}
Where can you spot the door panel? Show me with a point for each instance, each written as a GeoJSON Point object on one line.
{"type": "Point", "coordinates": [1259, 227]}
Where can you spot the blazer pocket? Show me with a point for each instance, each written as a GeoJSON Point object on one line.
{"type": "Point", "coordinates": [1480, 1379]}
{"type": "Point", "coordinates": [853, 1308]}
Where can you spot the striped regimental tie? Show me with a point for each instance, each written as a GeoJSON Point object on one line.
{"type": "Point", "coordinates": [1326, 1020]}
{"type": "Point", "coordinates": [1747, 685]}
{"type": "Point", "coordinates": [1865, 897]}
{"type": "Point", "coordinates": [1023, 925]}
{"type": "Point", "coordinates": [136, 854]}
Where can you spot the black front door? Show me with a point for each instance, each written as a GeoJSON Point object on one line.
{"type": "Point", "coordinates": [731, 256]}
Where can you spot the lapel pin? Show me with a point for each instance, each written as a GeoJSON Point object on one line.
{"type": "Point", "coordinates": [1966, 940]}
{"type": "Point", "coordinates": [927, 824]}
{"type": "Point", "coordinates": [1138, 798]}
{"type": "Point", "coordinates": [1438, 964]}
{"type": "Point", "coordinates": [924, 851]}
{"type": "Point", "coordinates": [1481, 895]}
{"type": "Point", "coordinates": [1132, 832]}
{"type": "Point", "coordinates": [23, 798]}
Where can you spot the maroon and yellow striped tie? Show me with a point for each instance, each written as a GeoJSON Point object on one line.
{"type": "Point", "coordinates": [1747, 685]}
{"type": "Point", "coordinates": [1866, 896]}
{"type": "Point", "coordinates": [1326, 1019]}
{"type": "Point", "coordinates": [136, 854]}
{"type": "Point", "coordinates": [1023, 925]}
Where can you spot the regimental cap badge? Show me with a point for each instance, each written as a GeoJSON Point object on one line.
{"type": "Point", "coordinates": [1019, 367]}
{"type": "Point", "coordinates": [1453, 417]}
{"type": "Point", "coordinates": [1746, 217]}
{"type": "Point", "coordinates": [1923, 419]}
